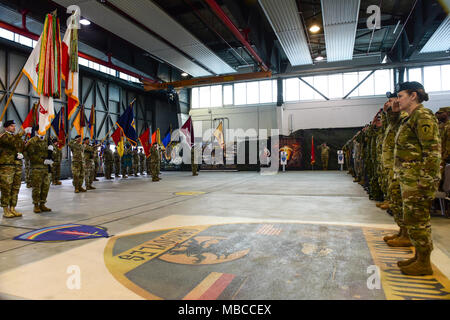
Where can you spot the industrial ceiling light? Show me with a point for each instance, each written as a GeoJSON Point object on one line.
{"type": "Point", "coordinates": [314, 28]}
{"type": "Point", "coordinates": [319, 58]}
{"type": "Point", "coordinates": [184, 74]}
{"type": "Point", "coordinates": [85, 22]}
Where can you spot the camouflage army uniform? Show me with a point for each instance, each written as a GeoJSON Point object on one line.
{"type": "Point", "coordinates": [126, 163]}
{"type": "Point", "coordinates": [324, 155]}
{"type": "Point", "coordinates": [148, 165]}
{"type": "Point", "coordinates": [154, 162]}
{"type": "Point", "coordinates": [444, 132]}
{"type": "Point", "coordinates": [116, 164]}
{"type": "Point", "coordinates": [135, 162]}
{"type": "Point", "coordinates": [141, 162]}
{"type": "Point", "coordinates": [96, 164]}
{"type": "Point", "coordinates": [375, 189]}
{"type": "Point", "coordinates": [10, 168]}
{"type": "Point", "coordinates": [393, 190]}
{"type": "Point", "coordinates": [56, 166]}
{"type": "Point", "coordinates": [89, 166]}
{"type": "Point", "coordinates": [108, 160]}
{"type": "Point", "coordinates": [194, 165]}
{"type": "Point", "coordinates": [37, 151]}
{"type": "Point", "coordinates": [27, 171]}
{"type": "Point", "coordinates": [417, 157]}
{"type": "Point", "coordinates": [77, 164]}
{"type": "Point", "coordinates": [382, 177]}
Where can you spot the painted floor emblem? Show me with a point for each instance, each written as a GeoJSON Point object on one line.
{"type": "Point", "coordinates": [261, 261]}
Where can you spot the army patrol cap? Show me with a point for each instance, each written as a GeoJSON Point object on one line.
{"type": "Point", "coordinates": [412, 85]}
{"type": "Point", "coordinates": [78, 136]}
{"type": "Point", "coordinates": [86, 139]}
{"type": "Point", "coordinates": [8, 123]}
{"type": "Point", "coordinates": [390, 95]}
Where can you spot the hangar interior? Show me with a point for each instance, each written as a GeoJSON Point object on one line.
{"type": "Point", "coordinates": [251, 66]}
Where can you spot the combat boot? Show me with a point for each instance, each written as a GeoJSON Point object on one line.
{"type": "Point", "coordinates": [404, 263]}
{"type": "Point", "coordinates": [378, 204]}
{"type": "Point", "coordinates": [7, 213]}
{"type": "Point", "coordinates": [44, 208]}
{"type": "Point", "coordinates": [420, 267]}
{"type": "Point", "coordinates": [37, 209]}
{"type": "Point", "coordinates": [82, 189]}
{"type": "Point", "coordinates": [402, 241]}
{"type": "Point", "coordinates": [77, 191]}
{"type": "Point", "coordinates": [392, 237]}
{"type": "Point", "coordinates": [14, 212]}
{"type": "Point", "coordinates": [385, 205]}
{"type": "Point", "coordinates": [90, 188]}
{"type": "Point", "coordinates": [58, 183]}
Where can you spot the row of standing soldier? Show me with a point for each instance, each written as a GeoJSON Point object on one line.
{"type": "Point", "coordinates": [399, 159]}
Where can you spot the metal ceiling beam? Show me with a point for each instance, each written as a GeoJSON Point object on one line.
{"type": "Point", "coordinates": [421, 20]}
{"type": "Point", "coordinates": [226, 20]}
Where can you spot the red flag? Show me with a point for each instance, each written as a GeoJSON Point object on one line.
{"type": "Point", "coordinates": [144, 138]}
{"type": "Point", "coordinates": [116, 136]}
{"type": "Point", "coordinates": [31, 120]}
{"type": "Point", "coordinates": [313, 155]}
{"type": "Point", "coordinates": [188, 131]}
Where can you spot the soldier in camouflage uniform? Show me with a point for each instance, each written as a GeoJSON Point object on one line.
{"type": "Point", "coordinates": [141, 161]}
{"type": "Point", "coordinates": [108, 160]}
{"type": "Point", "coordinates": [77, 163]}
{"type": "Point", "coordinates": [324, 155]}
{"type": "Point", "coordinates": [96, 161]}
{"type": "Point", "coordinates": [444, 132]}
{"type": "Point", "coordinates": [11, 155]}
{"type": "Point", "coordinates": [394, 118]}
{"type": "Point", "coordinates": [148, 164]}
{"type": "Point", "coordinates": [417, 157]}
{"type": "Point", "coordinates": [56, 166]}
{"type": "Point", "coordinates": [375, 189]}
{"type": "Point", "coordinates": [27, 169]}
{"type": "Point", "coordinates": [194, 164]}
{"type": "Point", "coordinates": [126, 163]}
{"type": "Point", "coordinates": [154, 162]}
{"type": "Point", "coordinates": [135, 162]}
{"type": "Point", "coordinates": [116, 163]}
{"type": "Point", "coordinates": [89, 164]}
{"type": "Point", "coordinates": [382, 178]}
{"type": "Point", "coordinates": [37, 150]}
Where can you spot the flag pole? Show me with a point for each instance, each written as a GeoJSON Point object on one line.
{"type": "Point", "coordinates": [10, 97]}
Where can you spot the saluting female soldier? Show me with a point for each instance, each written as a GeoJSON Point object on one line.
{"type": "Point", "coordinates": [417, 157]}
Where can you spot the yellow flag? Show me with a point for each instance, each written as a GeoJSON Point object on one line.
{"type": "Point", "coordinates": [120, 147]}
{"type": "Point", "coordinates": [77, 123]}
{"type": "Point", "coordinates": [218, 133]}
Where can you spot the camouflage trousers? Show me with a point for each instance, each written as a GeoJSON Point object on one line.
{"type": "Point", "coordinates": [142, 167]}
{"type": "Point", "coordinates": [375, 188]}
{"type": "Point", "coordinates": [78, 174]}
{"type": "Point", "coordinates": [108, 168]}
{"type": "Point", "coordinates": [10, 180]}
{"type": "Point", "coordinates": [89, 172]}
{"type": "Point", "coordinates": [117, 168]}
{"type": "Point", "coordinates": [56, 171]}
{"type": "Point", "coordinates": [27, 173]}
{"type": "Point", "coordinates": [40, 182]}
{"type": "Point", "coordinates": [135, 168]}
{"type": "Point", "coordinates": [416, 214]}
{"type": "Point", "coordinates": [383, 180]}
{"type": "Point", "coordinates": [324, 163]}
{"type": "Point", "coordinates": [154, 170]}
{"type": "Point", "coordinates": [126, 170]}
{"type": "Point", "coordinates": [395, 199]}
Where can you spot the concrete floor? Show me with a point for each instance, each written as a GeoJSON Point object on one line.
{"type": "Point", "coordinates": [301, 215]}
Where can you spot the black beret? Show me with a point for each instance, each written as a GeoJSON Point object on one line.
{"type": "Point", "coordinates": [77, 136]}
{"type": "Point", "coordinates": [8, 123]}
{"type": "Point", "coordinates": [412, 85]}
